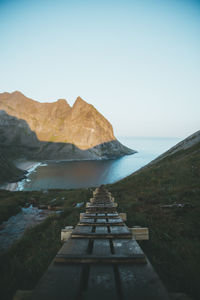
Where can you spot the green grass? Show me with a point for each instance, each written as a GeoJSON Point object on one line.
{"type": "Point", "coordinates": [10, 204]}
{"type": "Point", "coordinates": [25, 262]}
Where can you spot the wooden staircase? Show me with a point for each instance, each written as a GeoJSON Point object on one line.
{"type": "Point", "coordinates": [100, 260]}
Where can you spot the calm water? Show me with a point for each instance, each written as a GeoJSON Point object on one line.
{"type": "Point", "coordinates": [79, 174]}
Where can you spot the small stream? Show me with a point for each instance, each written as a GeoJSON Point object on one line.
{"type": "Point", "coordinates": [12, 229]}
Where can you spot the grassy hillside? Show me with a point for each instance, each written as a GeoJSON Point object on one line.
{"type": "Point", "coordinates": [174, 245]}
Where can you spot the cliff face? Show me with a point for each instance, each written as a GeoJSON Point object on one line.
{"type": "Point", "coordinates": [88, 128]}
{"type": "Point", "coordinates": [47, 131]}
{"type": "Point", "coordinates": [81, 125]}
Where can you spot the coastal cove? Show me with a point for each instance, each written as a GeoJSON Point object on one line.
{"type": "Point", "coordinates": [90, 173]}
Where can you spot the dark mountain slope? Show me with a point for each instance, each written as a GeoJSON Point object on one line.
{"type": "Point", "coordinates": [8, 171]}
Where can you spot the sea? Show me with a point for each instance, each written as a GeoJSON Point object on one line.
{"type": "Point", "coordinates": [91, 173]}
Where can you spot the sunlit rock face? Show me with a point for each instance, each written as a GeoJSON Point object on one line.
{"type": "Point", "coordinates": [56, 130]}
{"type": "Point", "coordinates": [88, 127]}
{"type": "Point", "coordinates": [81, 124]}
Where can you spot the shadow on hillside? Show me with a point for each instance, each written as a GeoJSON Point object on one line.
{"type": "Point", "coordinates": [17, 140]}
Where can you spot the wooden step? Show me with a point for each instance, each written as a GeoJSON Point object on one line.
{"type": "Point", "coordinates": [100, 251]}
{"type": "Point", "coordinates": [101, 232]}
{"type": "Point", "coordinates": [101, 221]}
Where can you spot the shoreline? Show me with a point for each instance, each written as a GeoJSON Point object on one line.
{"type": "Point", "coordinates": [24, 165]}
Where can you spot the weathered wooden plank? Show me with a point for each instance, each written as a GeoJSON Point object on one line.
{"type": "Point", "coordinates": [128, 248]}
{"type": "Point", "coordinates": [94, 203]}
{"type": "Point", "coordinates": [101, 199]}
{"type": "Point", "coordinates": [140, 233]}
{"type": "Point", "coordinates": [101, 210]}
{"type": "Point", "coordinates": [99, 216]}
{"type": "Point", "coordinates": [140, 282]}
{"type": "Point", "coordinates": [87, 220]}
{"type": "Point", "coordinates": [100, 205]}
{"type": "Point", "coordinates": [120, 230]}
{"type": "Point", "coordinates": [100, 224]}
{"type": "Point", "coordinates": [101, 248]}
{"type": "Point", "coordinates": [81, 230]}
{"type": "Point", "coordinates": [101, 230]}
{"type": "Point", "coordinates": [74, 247]}
{"type": "Point", "coordinates": [95, 259]}
{"type": "Point", "coordinates": [113, 221]}
{"type": "Point", "coordinates": [89, 215]}
{"type": "Point", "coordinates": [101, 236]}
{"type": "Point", "coordinates": [100, 251]}
{"type": "Point", "coordinates": [113, 215]}
{"type": "Point", "coordinates": [101, 221]}
{"type": "Point", "coordinates": [59, 282]}
{"type": "Point", "coordinates": [101, 283]}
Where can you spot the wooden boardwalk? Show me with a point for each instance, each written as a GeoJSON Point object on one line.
{"type": "Point", "coordinates": [100, 260]}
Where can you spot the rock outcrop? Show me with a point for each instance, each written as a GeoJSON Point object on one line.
{"type": "Point", "coordinates": [9, 173]}
{"type": "Point", "coordinates": [35, 130]}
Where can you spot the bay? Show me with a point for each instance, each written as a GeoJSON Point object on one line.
{"type": "Point", "coordinates": [84, 174]}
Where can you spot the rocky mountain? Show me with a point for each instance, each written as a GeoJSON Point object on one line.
{"type": "Point", "coordinates": [35, 130]}
{"type": "Point", "coordinates": [9, 173]}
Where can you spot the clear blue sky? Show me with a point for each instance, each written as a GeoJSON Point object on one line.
{"type": "Point", "coordinates": [137, 62]}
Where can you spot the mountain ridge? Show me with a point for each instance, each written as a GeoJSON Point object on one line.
{"type": "Point", "coordinates": [81, 124]}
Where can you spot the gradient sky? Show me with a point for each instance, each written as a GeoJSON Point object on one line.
{"type": "Point", "coordinates": [137, 62]}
